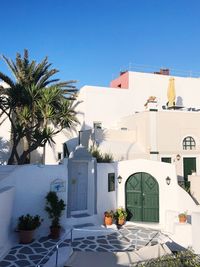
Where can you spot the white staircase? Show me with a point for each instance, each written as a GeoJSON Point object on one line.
{"type": "Point", "coordinates": [82, 221]}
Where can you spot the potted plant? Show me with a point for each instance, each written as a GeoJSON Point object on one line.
{"type": "Point", "coordinates": [120, 216]}
{"type": "Point", "coordinates": [54, 208]}
{"type": "Point", "coordinates": [182, 217]}
{"type": "Point", "coordinates": [108, 217]}
{"type": "Point", "coordinates": [26, 226]}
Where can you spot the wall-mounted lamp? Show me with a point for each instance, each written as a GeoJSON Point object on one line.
{"type": "Point", "coordinates": [119, 179]}
{"type": "Point", "coordinates": [168, 180]}
{"type": "Point", "coordinates": [178, 157]}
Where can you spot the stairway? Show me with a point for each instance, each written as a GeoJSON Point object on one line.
{"type": "Point", "coordinates": [82, 220]}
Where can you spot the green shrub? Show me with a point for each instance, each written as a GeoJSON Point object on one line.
{"type": "Point", "coordinates": [28, 222]}
{"type": "Point", "coordinates": [101, 158]}
{"type": "Point", "coordinates": [181, 259]}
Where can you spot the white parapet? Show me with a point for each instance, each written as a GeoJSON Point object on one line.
{"type": "Point", "coordinates": [195, 186]}
{"type": "Point", "coordinates": [6, 210]}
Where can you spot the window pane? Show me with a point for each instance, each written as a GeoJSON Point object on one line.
{"type": "Point", "coordinates": [166, 159]}
{"type": "Point", "coordinates": [111, 182]}
{"type": "Point", "coordinates": [189, 143]}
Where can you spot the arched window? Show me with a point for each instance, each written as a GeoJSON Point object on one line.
{"type": "Point", "coordinates": [189, 143]}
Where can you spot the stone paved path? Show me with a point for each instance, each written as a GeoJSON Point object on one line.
{"type": "Point", "coordinates": [127, 238]}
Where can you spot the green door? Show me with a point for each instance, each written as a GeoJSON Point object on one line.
{"type": "Point", "coordinates": [142, 198]}
{"type": "Point", "coordinates": [189, 164]}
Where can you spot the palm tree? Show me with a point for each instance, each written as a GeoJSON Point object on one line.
{"type": "Point", "coordinates": [37, 106]}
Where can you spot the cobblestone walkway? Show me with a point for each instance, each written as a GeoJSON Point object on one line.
{"type": "Point", "coordinates": [127, 238]}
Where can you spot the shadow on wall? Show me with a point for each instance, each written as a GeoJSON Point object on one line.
{"type": "Point", "coordinates": [4, 151]}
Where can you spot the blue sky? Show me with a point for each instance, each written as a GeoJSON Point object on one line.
{"type": "Point", "coordinates": [92, 40]}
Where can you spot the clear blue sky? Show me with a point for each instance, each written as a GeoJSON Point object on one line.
{"type": "Point", "coordinates": [92, 40]}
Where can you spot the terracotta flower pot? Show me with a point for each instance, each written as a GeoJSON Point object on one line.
{"type": "Point", "coordinates": [182, 219]}
{"type": "Point", "coordinates": [54, 232]}
{"type": "Point", "coordinates": [26, 236]}
{"type": "Point", "coordinates": [108, 220]}
{"type": "Point", "coordinates": [121, 221]}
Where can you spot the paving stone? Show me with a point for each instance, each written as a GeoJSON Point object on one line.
{"type": "Point", "coordinates": [43, 239]}
{"type": "Point", "coordinates": [101, 249]}
{"type": "Point", "coordinates": [89, 242]}
{"type": "Point", "coordinates": [79, 238]}
{"type": "Point", "coordinates": [91, 237]}
{"type": "Point", "coordinates": [21, 256]}
{"type": "Point", "coordinates": [10, 258]}
{"type": "Point", "coordinates": [101, 236]}
{"type": "Point", "coordinates": [4, 263]}
{"type": "Point", "coordinates": [26, 250]}
{"type": "Point", "coordinates": [77, 249]}
{"type": "Point", "coordinates": [74, 244]}
{"type": "Point", "coordinates": [35, 257]}
{"type": "Point", "coordinates": [117, 242]}
{"type": "Point", "coordinates": [87, 249]}
{"type": "Point", "coordinates": [23, 263]}
{"type": "Point", "coordinates": [92, 246]}
{"type": "Point", "coordinates": [145, 236]}
{"type": "Point", "coordinates": [12, 251]}
{"type": "Point", "coordinates": [67, 240]}
{"type": "Point", "coordinates": [48, 244]}
{"type": "Point", "coordinates": [108, 247]}
{"type": "Point", "coordinates": [120, 247]}
{"type": "Point", "coordinates": [102, 241]}
{"type": "Point", "coordinates": [35, 245]}
{"type": "Point", "coordinates": [40, 250]}
{"type": "Point", "coordinates": [83, 246]}
{"type": "Point", "coordinates": [112, 238]}
{"type": "Point", "coordinates": [16, 247]}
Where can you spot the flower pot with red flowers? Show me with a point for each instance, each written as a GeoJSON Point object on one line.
{"type": "Point", "coordinates": [108, 217]}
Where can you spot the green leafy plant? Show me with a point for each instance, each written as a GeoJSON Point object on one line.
{"type": "Point", "coordinates": [28, 222]}
{"type": "Point", "coordinates": [101, 158]}
{"type": "Point", "coordinates": [185, 258]}
{"type": "Point", "coordinates": [54, 208]}
{"type": "Point", "coordinates": [183, 214]}
{"type": "Point", "coordinates": [120, 214]}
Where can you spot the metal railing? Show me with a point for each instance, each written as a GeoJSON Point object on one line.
{"type": "Point", "coordinates": [155, 69]}
{"type": "Point", "coordinates": [55, 248]}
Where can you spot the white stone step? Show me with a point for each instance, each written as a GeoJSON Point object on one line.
{"type": "Point", "coordinates": [76, 221]}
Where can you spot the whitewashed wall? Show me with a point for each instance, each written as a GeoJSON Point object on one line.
{"type": "Point", "coordinates": [98, 102]}
{"type": "Point", "coordinates": [105, 200]}
{"type": "Point", "coordinates": [195, 186]}
{"type": "Point", "coordinates": [6, 211]}
{"type": "Point", "coordinates": [31, 183]}
{"type": "Point", "coordinates": [171, 197]}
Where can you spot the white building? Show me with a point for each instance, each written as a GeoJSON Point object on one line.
{"type": "Point", "coordinates": [140, 138]}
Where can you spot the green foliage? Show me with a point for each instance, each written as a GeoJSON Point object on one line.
{"type": "Point", "coordinates": [120, 213]}
{"type": "Point", "coordinates": [182, 259]}
{"type": "Point", "coordinates": [28, 222]}
{"type": "Point", "coordinates": [37, 105]}
{"type": "Point", "coordinates": [54, 208]}
{"type": "Point", "coordinates": [183, 214]}
{"type": "Point", "coordinates": [101, 158]}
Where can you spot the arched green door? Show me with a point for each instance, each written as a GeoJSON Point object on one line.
{"type": "Point", "coordinates": [142, 198]}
